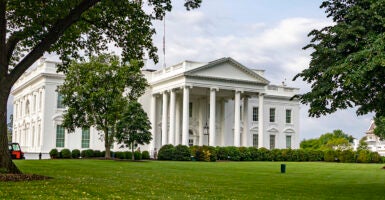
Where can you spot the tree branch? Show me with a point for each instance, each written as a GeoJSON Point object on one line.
{"type": "Point", "coordinates": [52, 36]}
{"type": "Point", "coordinates": [11, 44]}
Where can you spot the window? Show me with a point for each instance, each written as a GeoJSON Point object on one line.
{"type": "Point", "coordinates": [60, 101]}
{"type": "Point", "coordinates": [255, 114]}
{"type": "Point", "coordinates": [191, 142]}
{"type": "Point", "coordinates": [272, 141]}
{"type": "Point", "coordinates": [190, 109]}
{"type": "Point", "coordinates": [288, 116]}
{"type": "Point", "coordinates": [255, 140]}
{"type": "Point", "coordinates": [288, 141]}
{"type": "Point", "coordinates": [59, 136]}
{"type": "Point", "coordinates": [272, 114]}
{"type": "Point", "coordinates": [86, 138]}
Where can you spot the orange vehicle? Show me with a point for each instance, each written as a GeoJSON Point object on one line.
{"type": "Point", "coordinates": [15, 151]}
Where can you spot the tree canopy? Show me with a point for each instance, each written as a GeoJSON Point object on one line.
{"type": "Point", "coordinates": [335, 140]}
{"type": "Point", "coordinates": [97, 91]}
{"type": "Point", "coordinates": [347, 67]}
{"type": "Point", "coordinates": [73, 29]}
{"type": "Point", "coordinates": [134, 126]}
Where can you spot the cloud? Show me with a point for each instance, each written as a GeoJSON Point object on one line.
{"type": "Point", "coordinates": [275, 47]}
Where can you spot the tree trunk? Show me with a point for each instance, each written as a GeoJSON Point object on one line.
{"type": "Point", "coordinates": [107, 144]}
{"type": "Point", "coordinates": [133, 152]}
{"type": "Point", "coordinates": [6, 164]}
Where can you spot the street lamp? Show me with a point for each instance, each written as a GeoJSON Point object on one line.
{"type": "Point", "coordinates": [206, 132]}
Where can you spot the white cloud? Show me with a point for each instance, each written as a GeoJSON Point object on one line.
{"type": "Point", "coordinates": [275, 47]}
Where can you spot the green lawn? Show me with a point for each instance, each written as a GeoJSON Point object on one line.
{"type": "Point", "coordinates": [101, 179]}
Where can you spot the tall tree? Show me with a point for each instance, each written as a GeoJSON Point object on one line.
{"type": "Point", "coordinates": [335, 140]}
{"type": "Point", "coordinates": [134, 126]}
{"type": "Point", "coordinates": [28, 29]}
{"type": "Point", "coordinates": [97, 91]}
{"type": "Point", "coordinates": [347, 67]}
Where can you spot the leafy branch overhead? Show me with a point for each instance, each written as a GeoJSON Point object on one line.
{"type": "Point", "coordinates": [73, 29]}
{"type": "Point", "coordinates": [347, 67]}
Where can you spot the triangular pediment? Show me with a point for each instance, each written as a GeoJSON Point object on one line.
{"type": "Point", "coordinates": [227, 69]}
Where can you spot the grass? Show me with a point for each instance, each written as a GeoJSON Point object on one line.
{"type": "Point", "coordinates": [102, 179]}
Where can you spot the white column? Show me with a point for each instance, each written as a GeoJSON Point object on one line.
{"type": "Point", "coordinates": [177, 123]}
{"type": "Point", "coordinates": [245, 132]}
{"type": "Point", "coordinates": [164, 118]}
{"type": "Point", "coordinates": [185, 120]}
{"type": "Point", "coordinates": [237, 120]}
{"type": "Point", "coordinates": [223, 113]}
{"type": "Point", "coordinates": [202, 119]}
{"type": "Point", "coordinates": [260, 122]}
{"type": "Point", "coordinates": [212, 117]}
{"type": "Point", "coordinates": [153, 123]}
{"type": "Point", "coordinates": [171, 136]}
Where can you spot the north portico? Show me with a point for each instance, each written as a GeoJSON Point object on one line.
{"type": "Point", "coordinates": [221, 97]}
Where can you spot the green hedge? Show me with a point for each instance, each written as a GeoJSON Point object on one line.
{"type": "Point", "coordinates": [65, 153]}
{"type": "Point", "coordinates": [208, 153]}
{"type": "Point", "coordinates": [182, 153]}
{"type": "Point", "coordinates": [54, 153]}
{"type": "Point", "coordinates": [145, 155]}
{"type": "Point", "coordinates": [166, 152]}
{"type": "Point", "coordinates": [75, 153]}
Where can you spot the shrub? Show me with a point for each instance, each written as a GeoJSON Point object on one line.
{"type": "Point", "coordinates": [222, 153]}
{"type": "Point", "coordinates": [347, 156]}
{"type": "Point", "coordinates": [65, 153]}
{"type": "Point", "coordinates": [87, 153]}
{"type": "Point", "coordinates": [204, 153]}
{"type": "Point", "coordinates": [302, 155]}
{"type": "Point", "coordinates": [233, 153]}
{"type": "Point", "coordinates": [54, 153]}
{"type": "Point", "coordinates": [375, 157]}
{"type": "Point", "coordinates": [276, 155]}
{"type": "Point", "coordinates": [363, 156]}
{"type": "Point", "coordinates": [197, 152]}
{"type": "Point", "coordinates": [287, 155]}
{"type": "Point", "coordinates": [182, 153]}
{"type": "Point", "coordinates": [75, 153]}
{"type": "Point", "coordinates": [330, 156]}
{"type": "Point", "coordinates": [166, 152]}
{"type": "Point", "coordinates": [213, 153]}
{"type": "Point", "coordinates": [119, 155]}
{"type": "Point", "coordinates": [245, 154]}
{"type": "Point", "coordinates": [145, 155]}
{"type": "Point", "coordinates": [382, 159]}
{"type": "Point", "coordinates": [97, 154]}
{"type": "Point", "coordinates": [137, 155]}
{"type": "Point", "coordinates": [263, 154]}
{"type": "Point", "coordinates": [253, 153]}
{"type": "Point", "coordinates": [315, 155]}
{"type": "Point", "coordinates": [128, 155]}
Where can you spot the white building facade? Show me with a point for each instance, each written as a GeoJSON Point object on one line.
{"type": "Point", "coordinates": [220, 103]}
{"type": "Point", "coordinates": [374, 142]}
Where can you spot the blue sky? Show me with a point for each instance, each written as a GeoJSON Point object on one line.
{"type": "Point", "coordinates": [261, 34]}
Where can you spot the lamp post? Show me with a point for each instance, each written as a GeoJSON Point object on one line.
{"type": "Point", "coordinates": [206, 132]}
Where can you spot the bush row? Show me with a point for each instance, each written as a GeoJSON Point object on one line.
{"type": "Point", "coordinates": [89, 153]}
{"type": "Point", "coordinates": [207, 153]}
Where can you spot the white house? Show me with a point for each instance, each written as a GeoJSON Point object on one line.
{"type": "Point", "coordinates": [219, 103]}
{"type": "Point", "coordinates": [374, 142]}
